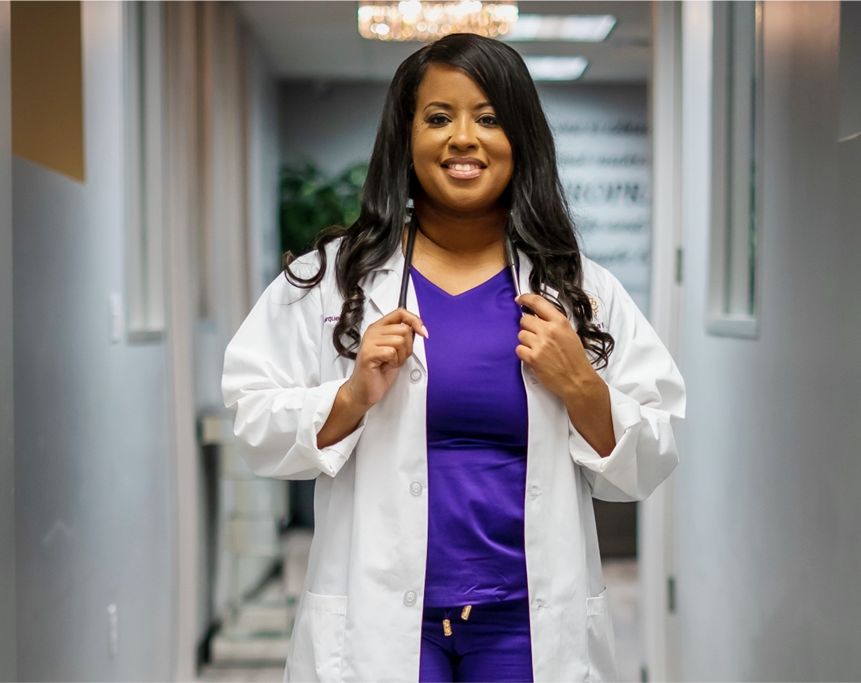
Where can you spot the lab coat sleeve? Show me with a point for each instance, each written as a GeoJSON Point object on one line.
{"type": "Point", "coordinates": [272, 380]}
{"type": "Point", "coordinates": [647, 401]}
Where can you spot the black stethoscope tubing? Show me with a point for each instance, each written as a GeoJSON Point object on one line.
{"type": "Point", "coordinates": [510, 257]}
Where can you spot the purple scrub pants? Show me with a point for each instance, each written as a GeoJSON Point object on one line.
{"type": "Point", "coordinates": [492, 644]}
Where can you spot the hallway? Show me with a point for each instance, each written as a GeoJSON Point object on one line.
{"type": "Point", "coordinates": [156, 161]}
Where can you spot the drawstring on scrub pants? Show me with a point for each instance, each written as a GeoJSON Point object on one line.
{"type": "Point", "coordinates": [446, 623]}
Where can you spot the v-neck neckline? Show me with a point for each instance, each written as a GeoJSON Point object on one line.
{"type": "Point", "coordinates": [415, 271]}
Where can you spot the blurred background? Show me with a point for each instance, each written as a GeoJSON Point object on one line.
{"type": "Point", "coordinates": [156, 160]}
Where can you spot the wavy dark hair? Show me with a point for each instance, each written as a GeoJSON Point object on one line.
{"type": "Point", "coordinates": [539, 222]}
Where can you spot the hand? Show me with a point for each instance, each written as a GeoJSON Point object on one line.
{"type": "Point", "coordinates": [385, 346]}
{"type": "Point", "coordinates": [552, 349]}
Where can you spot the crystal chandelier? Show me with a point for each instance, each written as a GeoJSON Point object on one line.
{"type": "Point", "coordinates": [426, 21]}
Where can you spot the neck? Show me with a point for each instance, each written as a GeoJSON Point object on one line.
{"type": "Point", "coordinates": [456, 236]}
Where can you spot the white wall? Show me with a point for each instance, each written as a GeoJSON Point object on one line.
{"type": "Point", "coordinates": [264, 161]}
{"type": "Point", "coordinates": [92, 471]}
{"type": "Point", "coordinates": [768, 504]}
{"type": "Point", "coordinates": [7, 417]}
{"type": "Point", "coordinates": [332, 124]}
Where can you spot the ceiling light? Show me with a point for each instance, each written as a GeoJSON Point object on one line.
{"type": "Point", "coordinates": [556, 68]}
{"type": "Point", "coordinates": [591, 28]}
{"type": "Point", "coordinates": [425, 21]}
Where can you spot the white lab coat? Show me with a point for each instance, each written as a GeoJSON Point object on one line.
{"type": "Point", "coordinates": [360, 615]}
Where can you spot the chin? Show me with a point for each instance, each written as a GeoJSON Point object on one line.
{"type": "Point", "coordinates": [461, 199]}
{"type": "Point", "coordinates": [467, 203]}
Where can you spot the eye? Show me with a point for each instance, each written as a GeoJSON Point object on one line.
{"type": "Point", "coordinates": [488, 120]}
{"type": "Point", "coordinates": [437, 119]}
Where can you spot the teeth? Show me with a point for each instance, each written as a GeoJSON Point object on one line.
{"type": "Point", "coordinates": [464, 167]}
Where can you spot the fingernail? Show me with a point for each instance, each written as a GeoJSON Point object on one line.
{"type": "Point", "coordinates": [425, 332]}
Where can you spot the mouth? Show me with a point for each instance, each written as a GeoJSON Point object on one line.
{"type": "Point", "coordinates": [463, 168]}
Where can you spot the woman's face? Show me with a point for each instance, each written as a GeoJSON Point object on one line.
{"type": "Point", "coordinates": [461, 156]}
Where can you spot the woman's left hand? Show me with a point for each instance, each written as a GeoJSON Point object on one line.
{"type": "Point", "coordinates": [552, 349]}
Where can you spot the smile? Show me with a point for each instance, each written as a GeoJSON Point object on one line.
{"type": "Point", "coordinates": [463, 171]}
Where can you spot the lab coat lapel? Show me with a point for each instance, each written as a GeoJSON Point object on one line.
{"type": "Point", "coordinates": [524, 272]}
{"type": "Point", "coordinates": [383, 295]}
{"type": "Point", "coordinates": [548, 433]}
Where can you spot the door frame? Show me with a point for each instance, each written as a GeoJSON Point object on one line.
{"type": "Point", "coordinates": [656, 548]}
{"type": "Point", "coordinates": [179, 44]}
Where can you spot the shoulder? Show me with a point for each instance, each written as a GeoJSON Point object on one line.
{"type": "Point", "coordinates": [597, 278]}
{"type": "Point", "coordinates": [306, 266]}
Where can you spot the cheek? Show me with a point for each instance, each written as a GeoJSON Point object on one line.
{"type": "Point", "coordinates": [423, 152]}
{"type": "Point", "coordinates": [507, 167]}
{"type": "Point", "coordinates": [504, 157]}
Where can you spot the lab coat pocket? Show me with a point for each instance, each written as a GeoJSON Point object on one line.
{"type": "Point", "coordinates": [317, 643]}
{"type": "Point", "coordinates": [600, 639]}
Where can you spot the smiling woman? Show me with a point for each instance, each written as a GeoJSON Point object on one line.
{"type": "Point", "coordinates": [461, 437]}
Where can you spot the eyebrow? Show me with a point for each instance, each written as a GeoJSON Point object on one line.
{"type": "Point", "coordinates": [446, 105]}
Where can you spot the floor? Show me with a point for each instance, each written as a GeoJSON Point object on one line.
{"type": "Point", "coordinates": [620, 577]}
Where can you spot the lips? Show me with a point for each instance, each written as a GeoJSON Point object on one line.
{"type": "Point", "coordinates": [463, 168]}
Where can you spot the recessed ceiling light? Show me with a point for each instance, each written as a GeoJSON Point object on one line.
{"type": "Point", "coordinates": [587, 28]}
{"type": "Point", "coordinates": [556, 68]}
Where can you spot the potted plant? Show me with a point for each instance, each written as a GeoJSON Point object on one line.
{"type": "Point", "coordinates": [311, 201]}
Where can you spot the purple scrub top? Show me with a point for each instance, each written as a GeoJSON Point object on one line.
{"type": "Point", "coordinates": [477, 429]}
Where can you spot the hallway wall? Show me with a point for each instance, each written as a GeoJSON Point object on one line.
{"type": "Point", "coordinates": [7, 417]}
{"type": "Point", "coordinates": [768, 507]}
{"type": "Point", "coordinates": [92, 470]}
{"type": "Point", "coordinates": [263, 163]}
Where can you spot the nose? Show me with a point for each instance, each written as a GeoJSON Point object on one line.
{"type": "Point", "coordinates": [463, 133]}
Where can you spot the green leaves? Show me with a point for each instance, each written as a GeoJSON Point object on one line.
{"type": "Point", "coordinates": [311, 201]}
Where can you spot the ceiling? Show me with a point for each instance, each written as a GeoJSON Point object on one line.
{"type": "Point", "coordinates": [319, 40]}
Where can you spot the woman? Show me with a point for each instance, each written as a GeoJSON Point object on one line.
{"type": "Point", "coordinates": [462, 436]}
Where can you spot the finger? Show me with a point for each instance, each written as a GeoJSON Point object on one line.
{"type": "Point", "coordinates": [400, 329]}
{"type": "Point", "coordinates": [380, 355]}
{"type": "Point", "coordinates": [398, 343]}
{"type": "Point", "coordinates": [402, 315]}
{"type": "Point", "coordinates": [400, 334]}
{"type": "Point", "coordinates": [532, 323]}
{"type": "Point", "coordinates": [540, 306]}
{"type": "Point", "coordinates": [528, 338]}
{"type": "Point", "coordinates": [524, 353]}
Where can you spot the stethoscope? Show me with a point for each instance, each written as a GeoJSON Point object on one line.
{"type": "Point", "coordinates": [510, 258]}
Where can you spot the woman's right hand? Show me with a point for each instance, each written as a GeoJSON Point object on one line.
{"type": "Point", "coordinates": [385, 346]}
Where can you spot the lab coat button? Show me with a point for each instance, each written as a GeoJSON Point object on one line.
{"type": "Point", "coordinates": [415, 375]}
{"type": "Point", "coordinates": [538, 603]}
{"type": "Point", "coordinates": [534, 491]}
{"type": "Point", "coordinates": [416, 488]}
{"type": "Point", "coordinates": [410, 598]}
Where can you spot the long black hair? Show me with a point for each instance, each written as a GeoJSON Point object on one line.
{"type": "Point", "coordinates": [539, 223]}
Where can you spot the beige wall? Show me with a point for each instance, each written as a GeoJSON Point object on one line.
{"type": "Point", "coordinates": [47, 86]}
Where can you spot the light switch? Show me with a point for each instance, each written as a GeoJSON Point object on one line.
{"type": "Point", "coordinates": [115, 302]}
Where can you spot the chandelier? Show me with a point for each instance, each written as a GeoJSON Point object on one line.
{"type": "Point", "coordinates": [426, 21]}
